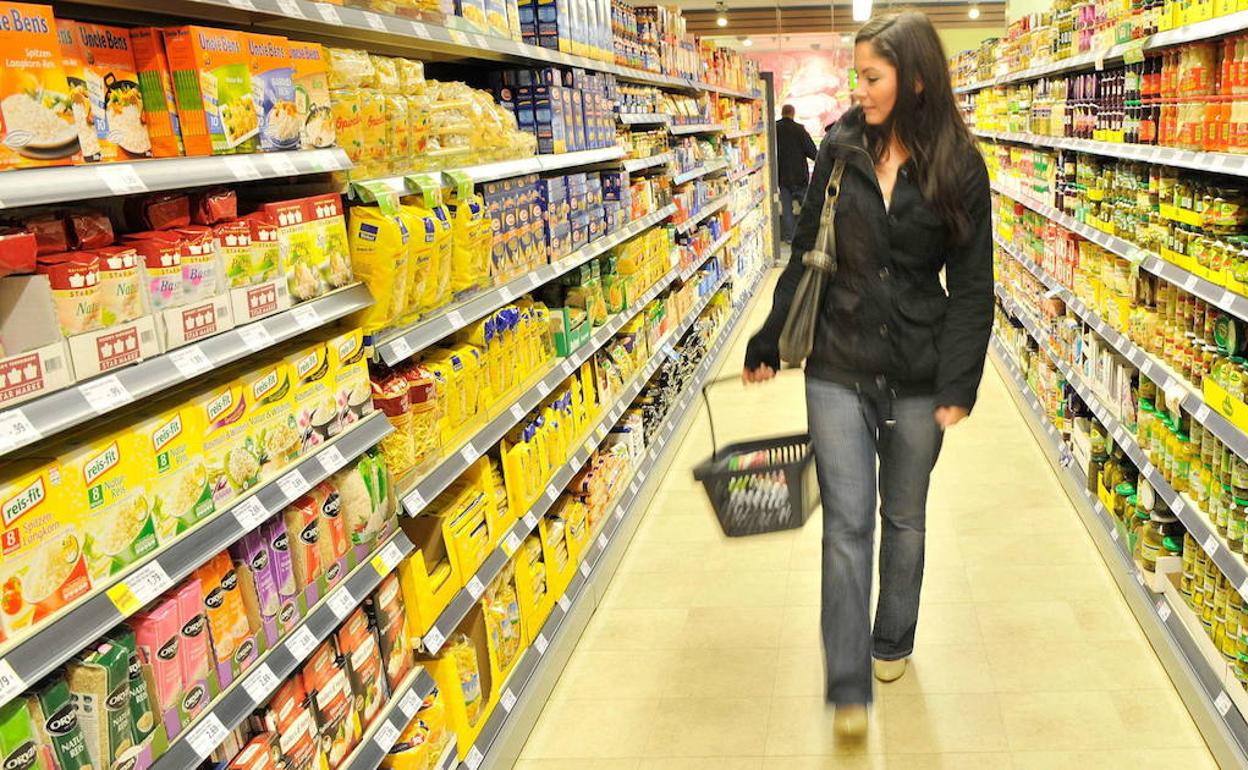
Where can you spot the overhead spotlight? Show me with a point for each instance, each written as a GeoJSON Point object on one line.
{"type": "Point", "coordinates": [747, 42]}
{"type": "Point", "coordinates": [862, 10]}
{"type": "Point", "coordinates": [974, 12]}
{"type": "Point", "coordinates": [722, 18]}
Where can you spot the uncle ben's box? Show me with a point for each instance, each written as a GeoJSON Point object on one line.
{"type": "Point", "coordinates": [37, 125]}
{"type": "Point", "coordinates": [212, 86]}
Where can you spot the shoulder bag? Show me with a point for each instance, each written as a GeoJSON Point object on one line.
{"type": "Point", "coordinates": [798, 337]}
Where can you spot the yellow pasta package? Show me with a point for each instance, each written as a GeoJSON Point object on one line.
{"type": "Point", "coordinates": [373, 118]}
{"type": "Point", "coordinates": [344, 106]}
{"type": "Point", "coordinates": [349, 68]}
{"type": "Point", "coordinates": [420, 248]}
{"type": "Point", "coordinates": [411, 76]}
{"type": "Point", "coordinates": [379, 259]}
{"type": "Point", "coordinates": [470, 262]}
{"type": "Point", "coordinates": [385, 74]}
{"type": "Point", "coordinates": [437, 291]}
{"type": "Point", "coordinates": [398, 134]}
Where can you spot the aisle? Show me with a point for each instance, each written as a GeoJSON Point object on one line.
{"type": "Point", "coordinates": [706, 652]}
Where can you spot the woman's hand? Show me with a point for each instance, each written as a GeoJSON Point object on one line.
{"type": "Point", "coordinates": [949, 416]}
{"type": "Point", "coordinates": [761, 374]}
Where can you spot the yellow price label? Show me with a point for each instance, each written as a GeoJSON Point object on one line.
{"type": "Point", "coordinates": [124, 599]}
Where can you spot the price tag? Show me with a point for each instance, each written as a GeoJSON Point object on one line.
{"type": "Point", "coordinates": [250, 513]}
{"type": "Point", "coordinates": [16, 430]}
{"type": "Point", "coordinates": [385, 736]}
{"type": "Point", "coordinates": [455, 319]}
{"type": "Point", "coordinates": [1202, 413]}
{"type": "Point", "coordinates": [293, 485]}
{"type": "Point", "coordinates": [301, 642]}
{"type": "Point", "coordinates": [375, 21]}
{"type": "Point", "coordinates": [470, 454]}
{"type": "Point", "coordinates": [1178, 507]}
{"type": "Point", "coordinates": [341, 602]}
{"type": "Point", "coordinates": [1190, 283]}
{"type": "Point", "coordinates": [328, 13]}
{"type": "Point", "coordinates": [105, 393]}
{"type": "Point", "coordinates": [534, 280]}
{"type": "Point", "coordinates": [475, 587]}
{"type": "Point", "coordinates": [1139, 577]}
{"type": "Point", "coordinates": [420, 30]}
{"type": "Point", "coordinates": [281, 164]}
{"type": "Point", "coordinates": [602, 542]}
{"type": "Point", "coordinates": [1211, 544]}
{"type": "Point", "coordinates": [1113, 533]}
{"type": "Point", "coordinates": [551, 492]}
{"type": "Point", "coordinates": [331, 458]}
{"type": "Point", "coordinates": [414, 502]}
{"type": "Point", "coordinates": [255, 337]}
{"type": "Point", "coordinates": [11, 685]}
{"type": "Point", "coordinates": [148, 582]}
{"type": "Point", "coordinates": [1243, 591]}
{"type": "Point", "coordinates": [121, 178]}
{"type": "Point", "coordinates": [508, 700]}
{"type": "Point", "coordinates": [206, 736]}
{"type": "Point", "coordinates": [585, 569]}
{"type": "Point", "coordinates": [474, 758]}
{"type": "Point", "coordinates": [540, 644]}
{"type": "Point", "coordinates": [434, 640]}
{"type": "Point", "coordinates": [517, 413]}
{"type": "Point", "coordinates": [246, 5]}
{"type": "Point", "coordinates": [507, 294]}
{"type": "Point", "coordinates": [260, 683]}
{"type": "Point", "coordinates": [1222, 703]}
{"type": "Point", "coordinates": [511, 543]}
{"type": "Point", "coordinates": [400, 349]}
{"type": "Point", "coordinates": [543, 389]}
{"type": "Point", "coordinates": [190, 361]}
{"type": "Point", "coordinates": [568, 368]}
{"type": "Point", "coordinates": [292, 9]}
{"type": "Point", "coordinates": [387, 558]}
{"type": "Point", "coordinates": [1163, 610]}
{"type": "Point", "coordinates": [242, 167]}
{"type": "Point", "coordinates": [564, 602]}
{"type": "Point", "coordinates": [306, 317]}
{"type": "Point", "coordinates": [530, 521]}
{"type": "Point", "coordinates": [410, 703]}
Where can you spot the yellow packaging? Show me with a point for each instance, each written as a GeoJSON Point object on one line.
{"type": "Point", "coordinates": [109, 492]}
{"type": "Point", "coordinates": [421, 245]}
{"type": "Point", "coordinates": [172, 458]}
{"type": "Point", "coordinates": [438, 284]}
{"type": "Point", "coordinates": [36, 109]}
{"type": "Point", "coordinates": [43, 569]}
{"type": "Point", "coordinates": [271, 433]}
{"type": "Point", "coordinates": [451, 385]}
{"type": "Point", "coordinates": [411, 76]}
{"type": "Point", "coordinates": [470, 253]}
{"type": "Point", "coordinates": [483, 336]}
{"type": "Point", "coordinates": [349, 68]}
{"type": "Point", "coordinates": [385, 74]}
{"type": "Point", "coordinates": [344, 105]}
{"type": "Point", "coordinates": [379, 248]}
{"type": "Point", "coordinates": [418, 122]}
{"type": "Point", "coordinates": [398, 134]}
{"type": "Point", "coordinates": [473, 361]}
{"type": "Point", "coordinates": [316, 411]}
{"type": "Point", "coordinates": [373, 120]}
{"type": "Point", "coordinates": [312, 102]}
{"type": "Point", "coordinates": [352, 389]}
{"type": "Point", "coordinates": [219, 414]}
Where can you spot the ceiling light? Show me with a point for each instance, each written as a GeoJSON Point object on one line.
{"type": "Point", "coordinates": [862, 10]}
{"type": "Point", "coordinates": [974, 12]}
{"type": "Point", "coordinates": [747, 42]}
{"type": "Point", "coordinates": [722, 18]}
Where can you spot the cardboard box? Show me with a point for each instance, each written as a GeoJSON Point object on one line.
{"type": "Point", "coordinates": [251, 303]}
{"type": "Point", "coordinates": [216, 105]}
{"type": "Point", "coordinates": [312, 103]}
{"type": "Point", "coordinates": [160, 109]}
{"type": "Point", "coordinates": [273, 91]}
{"type": "Point", "coordinates": [464, 679]}
{"type": "Point", "coordinates": [178, 326]}
{"type": "Point", "coordinates": [31, 31]}
{"type": "Point", "coordinates": [428, 577]}
{"type": "Point", "coordinates": [104, 350]}
{"type": "Point", "coordinates": [112, 88]}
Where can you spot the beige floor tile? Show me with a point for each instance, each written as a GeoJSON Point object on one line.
{"type": "Point", "coordinates": [1081, 720]}
{"type": "Point", "coordinates": [579, 764]}
{"type": "Point", "coordinates": [942, 668]}
{"type": "Point", "coordinates": [638, 630]}
{"type": "Point", "coordinates": [1046, 621]}
{"type": "Point", "coordinates": [708, 628]}
{"type": "Point", "coordinates": [833, 762]}
{"type": "Point", "coordinates": [708, 727]}
{"type": "Point", "coordinates": [1125, 759]}
{"type": "Point", "coordinates": [1019, 549]}
{"type": "Point", "coordinates": [1160, 717]}
{"type": "Point", "coordinates": [594, 729]}
{"type": "Point", "coordinates": [1013, 583]}
{"type": "Point", "coordinates": [1108, 621]}
{"type": "Point", "coordinates": [952, 761]}
{"type": "Point", "coordinates": [702, 763]}
{"type": "Point", "coordinates": [943, 723]}
{"type": "Point", "coordinates": [801, 627]}
{"type": "Point", "coordinates": [802, 726]}
{"type": "Point", "coordinates": [799, 672]}
{"type": "Point", "coordinates": [604, 675]}
{"type": "Point", "coordinates": [947, 623]}
{"type": "Point", "coordinates": [725, 674]}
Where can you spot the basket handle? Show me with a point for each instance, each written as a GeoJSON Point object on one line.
{"type": "Point", "coordinates": [710, 419]}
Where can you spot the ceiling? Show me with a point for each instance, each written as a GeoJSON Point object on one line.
{"type": "Point", "coordinates": [749, 17]}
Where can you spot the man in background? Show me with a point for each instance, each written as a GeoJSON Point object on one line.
{"type": "Point", "coordinates": [793, 147]}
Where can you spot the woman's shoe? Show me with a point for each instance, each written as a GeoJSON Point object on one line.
{"type": "Point", "coordinates": [850, 722]}
{"type": "Point", "coordinates": [889, 670]}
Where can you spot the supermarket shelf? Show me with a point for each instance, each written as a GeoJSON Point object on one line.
{"type": "Point", "coordinates": [740, 133]}
{"type": "Point", "coordinates": [64, 636]}
{"type": "Point", "coordinates": [36, 186]}
{"type": "Point", "coordinates": [695, 128]}
{"type": "Point", "coordinates": [693, 269]}
{"type": "Point", "coordinates": [257, 684]}
{"type": "Point", "coordinates": [740, 174]}
{"type": "Point", "coordinates": [1194, 520]}
{"type": "Point", "coordinates": [518, 707]}
{"type": "Point", "coordinates": [399, 710]}
{"type": "Point", "coordinates": [1204, 30]}
{"type": "Point", "coordinates": [637, 164]}
{"type": "Point", "coordinates": [468, 596]}
{"type": "Point", "coordinates": [706, 168]}
{"type": "Point", "coordinates": [643, 118]}
{"type": "Point", "coordinates": [1213, 162]}
{"type": "Point", "coordinates": [488, 172]}
{"type": "Point", "coordinates": [1221, 724]}
{"type": "Point", "coordinates": [1192, 399]}
{"type": "Point", "coordinates": [396, 346]}
{"type": "Point", "coordinates": [88, 400]}
{"type": "Point", "coordinates": [1210, 292]}
{"type": "Point", "coordinates": [703, 213]}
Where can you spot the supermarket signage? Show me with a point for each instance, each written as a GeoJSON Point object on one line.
{"type": "Point", "coordinates": [199, 321]}
{"type": "Point", "coordinates": [20, 375]}
{"type": "Point", "coordinates": [261, 301]}
{"type": "Point", "coordinates": [117, 348]}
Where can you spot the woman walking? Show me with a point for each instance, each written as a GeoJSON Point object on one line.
{"type": "Point", "coordinates": [896, 360]}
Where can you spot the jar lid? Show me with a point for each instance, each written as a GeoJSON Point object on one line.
{"type": "Point", "coordinates": [1148, 498]}
{"type": "Point", "coordinates": [1125, 489]}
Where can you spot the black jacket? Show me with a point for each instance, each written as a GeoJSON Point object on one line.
{"type": "Point", "coordinates": [793, 147]}
{"type": "Point", "coordinates": [885, 314]}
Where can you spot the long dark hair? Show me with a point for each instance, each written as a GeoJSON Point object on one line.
{"type": "Point", "coordinates": [927, 123]}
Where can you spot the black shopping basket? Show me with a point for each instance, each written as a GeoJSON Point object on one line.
{"type": "Point", "coordinates": [764, 485]}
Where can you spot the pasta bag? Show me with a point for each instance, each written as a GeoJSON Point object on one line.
{"type": "Point", "coordinates": [470, 265]}
{"type": "Point", "coordinates": [344, 106]}
{"type": "Point", "coordinates": [379, 259]}
{"type": "Point", "coordinates": [420, 253]}
{"type": "Point", "coordinates": [398, 134]}
{"type": "Point", "coordinates": [437, 290]}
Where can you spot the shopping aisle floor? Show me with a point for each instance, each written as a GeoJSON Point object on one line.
{"type": "Point", "coordinates": [706, 651]}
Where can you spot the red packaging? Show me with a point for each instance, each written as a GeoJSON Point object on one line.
{"type": "Point", "coordinates": [91, 230]}
{"type": "Point", "coordinates": [287, 701]}
{"type": "Point", "coordinates": [74, 277]}
{"type": "Point", "coordinates": [289, 714]}
{"type": "Point", "coordinates": [258, 754]}
{"type": "Point", "coordinates": [325, 676]}
{"type": "Point", "coordinates": [160, 211]}
{"type": "Point", "coordinates": [211, 207]}
{"type": "Point", "coordinates": [19, 250]}
{"type": "Point", "coordinates": [333, 538]}
{"type": "Point", "coordinates": [50, 231]}
{"type": "Point", "coordinates": [368, 679]}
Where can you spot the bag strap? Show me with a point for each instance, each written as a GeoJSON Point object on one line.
{"type": "Point", "coordinates": [823, 256]}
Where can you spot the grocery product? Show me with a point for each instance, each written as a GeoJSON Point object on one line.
{"type": "Point", "coordinates": [160, 109]}
{"type": "Point", "coordinates": [273, 91]}
{"type": "Point", "coordinates": [312, 103]}
{"type": "Point", "coordinates": [217, 113]}
{"type": "Point", "coordinates": [112, 91]}
{"type": "Point", "coordinates": [18, 738]}
{"type": "Point", "coordinates": [99, 684]}
{"type": "Point", "coordinates": [35, 100]}
{"type": "Point", "coordinates": [55, 723]}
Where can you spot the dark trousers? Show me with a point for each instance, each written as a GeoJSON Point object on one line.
{"type": "Point", "coordinates": [789, 195]}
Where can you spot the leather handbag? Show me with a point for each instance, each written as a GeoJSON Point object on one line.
{"type": "Point", "coordinates": [798, 337]}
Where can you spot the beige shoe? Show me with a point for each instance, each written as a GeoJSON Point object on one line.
{"type": "Point", "coordinates": [850, 722]}
{"type": "Point", "coordinates": [889, 670]}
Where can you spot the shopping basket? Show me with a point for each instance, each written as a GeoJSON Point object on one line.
{"type": "Point", "coordinates": [758, 486]}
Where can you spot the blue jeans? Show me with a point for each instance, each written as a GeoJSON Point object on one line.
{"type": "Point", "coordinates": [788, 220]}
{"type": "Point", "coordinates": [849, 430]}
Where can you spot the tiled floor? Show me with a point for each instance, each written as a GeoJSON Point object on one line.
{"type": "Point", "coordinates": [706, 653]}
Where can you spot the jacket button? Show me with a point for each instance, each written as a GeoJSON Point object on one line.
{"type": "Point", "coordinates": [883, 330]}
{"type": "Point", "coordinates": [884, 273]}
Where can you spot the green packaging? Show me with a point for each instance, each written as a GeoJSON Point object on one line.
{"type": "Point", "coordinates": [20, 748]}
{"type": "Point", "coordinates": [99, 684]}
{"type": "Point", "coordinates": [56, 723]}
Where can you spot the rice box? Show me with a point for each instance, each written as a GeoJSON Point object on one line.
{"type": "Point", "coordinates": [158, 637]}
{"type": "Point", "coordinates": [195, 649]}
{"type": "Point", "coordinates": [302, 260]}
{"type": "Point", "coordinates": [326, 678]}
{"type": "Point", "coordinates": [357, 642]}
{"type": "Point", "coordinates": [99, 685]}
{"type": "Point", "coordinates": [258, 754]}
{"type": "Point", "coordinates": [282, 570]}
{"type": "Point", "coordinates": [160, 108]}
{"type": "Point", "coordinates": [223, 607]}
{"type": "Point", "coordinates": [36, 108]}
{"type": "Point", "coordinates": [260, 597]}
{"type": "Point", "coordinates": [20, 748]}
{"type": "Point", "coordinates": [112, 88]}
{"type": "Point", "coordinates": [271, 433]}
{"type": "Point", "coordinates": [56, 723]}
{"type": "Point", "coordinates": [171, 455]}
{"type": "Point", "coordinates": [231, 464]}
{"type": "Point", "coordinates": [273, 91]}
{"type": "Point", "coordinates": [312, 105]}
{"type": "Point", "coordinates": [353, 390]}
{"type": "Point", "coordinates": [288, 714]}
{"type": "Point", "coordinates": [329, 226]}
{"type": "Point", "coordinates": [43, 568]}
{"type": "Point", "coordinates": [385, 613]}
{"type": "Point", "coordinates": [316, 412]}
{"type": "Point", "coordinates": [143, 718]}
{"type": "Point", "coordinates": [109, 492]}
{"type": "Point", "coordinates": [302, 519]}
{"type": "Point", "coordinates": [212, 86]}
